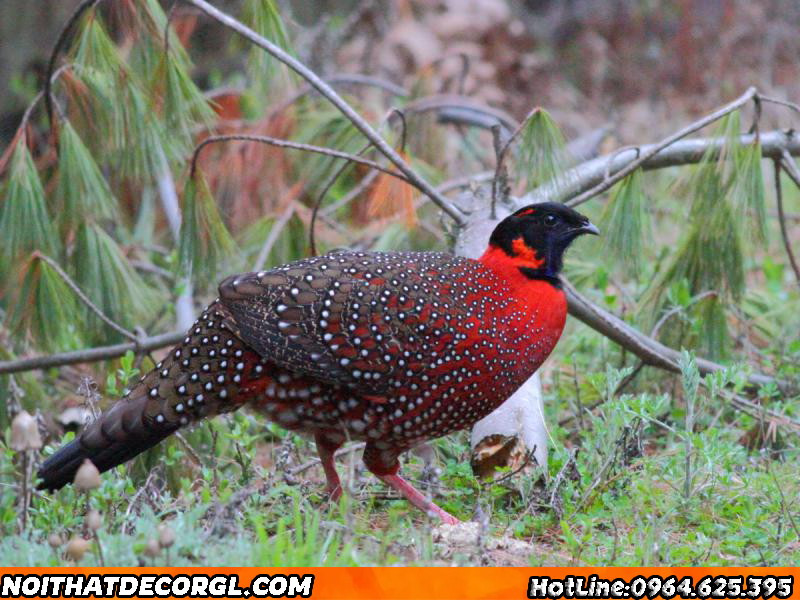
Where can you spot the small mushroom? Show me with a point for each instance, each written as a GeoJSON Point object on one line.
{"type": "Point", "coordinates": [77, 547]}
{"type": "Point", "coordinates": [25, 432]}
{"type": "Point", "coordinates": [152, 549]}
{"type": "Point", "coordinates": [87, 477]}
{"type": "Point", "coordinates": [166, 535]}
{"type": "Point", "coordinates": [94, 520]}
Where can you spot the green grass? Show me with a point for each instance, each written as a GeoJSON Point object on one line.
{"type": "Point", "coordinates": [623, 495]}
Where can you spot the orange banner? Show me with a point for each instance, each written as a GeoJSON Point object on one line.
{"type": "Point", "coordinates": [402, 583]}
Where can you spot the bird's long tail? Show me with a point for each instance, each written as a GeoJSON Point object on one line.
{"type": "Point", "coordinates": [211, 372]}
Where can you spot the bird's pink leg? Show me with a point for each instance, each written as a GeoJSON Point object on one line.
{"type": "Point", "coordinates": [383, 463]}
{"type": "Point", "coordinates": [326, 449]}
{"type": "Point", "coordinates": [416, 498]}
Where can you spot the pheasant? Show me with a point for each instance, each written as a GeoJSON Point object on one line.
{"type": "Point", "coordinates": [392, 348]}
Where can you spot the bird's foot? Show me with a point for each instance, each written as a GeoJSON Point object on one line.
{"type": "Point", "coordinates": [417, 499]}
{"type": "Point", "coordinates": [334, 492]}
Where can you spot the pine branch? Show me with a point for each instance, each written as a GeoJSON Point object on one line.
{"type": "Point", "coordinates": [645, 155]}
{"type": "Point", "coordinates": [59, 45]}
{"type": "Point", "coordinates": [328, 92]}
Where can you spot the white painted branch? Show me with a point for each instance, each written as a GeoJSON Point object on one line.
{"type": "Point", "coordinates": [184, 305]}
{"type": "Point", "coordinates": [522, 415]}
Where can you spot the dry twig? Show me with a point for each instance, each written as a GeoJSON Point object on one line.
{"type": "Point", "coordinates": [297, 146]}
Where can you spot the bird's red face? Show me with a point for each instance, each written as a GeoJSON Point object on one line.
{"type": "Point", "coordinates": [534, 238]}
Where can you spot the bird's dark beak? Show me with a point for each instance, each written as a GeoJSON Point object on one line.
{"type": "Point", "coordinates": [589, 227]}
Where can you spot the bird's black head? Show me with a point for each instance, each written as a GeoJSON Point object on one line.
{"type": "Point", "coordinates": [535, 238]}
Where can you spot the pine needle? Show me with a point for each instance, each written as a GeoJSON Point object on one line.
{"type": "Point", "coordinates": [624, 220]}
{"type": "Point", "coordinates": [25, 224]}
{"type": "Point", "coordinates": [263, 17]}
{"type": "Point", "coordinates": [747, 193]}
{"type": "Point", "coordinates": [82, 189]}
{"type": "Point", "coordinates": [95, 49]}
{"type": "Point", "coordinates": [45, 308]}
{"type": "Point", "coordinates": [185, 106]}
{"type": "Point", "coordinates": [104, 274]}
{"type": "Point", "coordinates": [204, 240]}
{"type": "Point", "coordinates": [542, 151]}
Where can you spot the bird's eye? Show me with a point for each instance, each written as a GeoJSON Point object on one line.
{"type": "Point", "coordinates": [550, 220]}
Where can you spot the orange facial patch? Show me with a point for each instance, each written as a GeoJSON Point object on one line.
{"type": "Point", "coordinates": [525, 255]}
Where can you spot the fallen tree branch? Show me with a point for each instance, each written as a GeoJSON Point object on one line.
{"type": "Point", "coordinates": [652, 352]}
{"type": "Point", "coordinates": [649, 350]}
{"type": "Point", "coordinates": [328, 92]}
{"type": "Point", "coordinates": [684, 152]}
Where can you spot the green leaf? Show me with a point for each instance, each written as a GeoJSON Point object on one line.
{"type": "Point", "coordinates": [82, 189]}
{"type": "Point", "coordinates": [542, 152]}
{"type": "Point", "coordinates": [106, 277]}
{"type": "Point", "coordinates": [46, 308]}
{"type": "Point", "coordinates": [624, 220]}
{"type": "Point", "coordinates": [204, 239]}
{"type": "Point", "coordinates": [25, 224]}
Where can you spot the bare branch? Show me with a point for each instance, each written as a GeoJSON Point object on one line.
{"type": "Point", "coordinates": [328, 92]}
{"type": "Point", "coordinates": [312, 242]}
{"type": "Point", "coordinates": [90, 355]}
{"type": "Point", "coordinates": [782, 217]}
{"type": "Point", "coordinates": [501, 152]}
{"type": "Point", "coordinates": [297, 146]}
{"type": "Point", "coordinates": [462, 109]}
{"type": "Point", "coordinates": [786, 103]}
